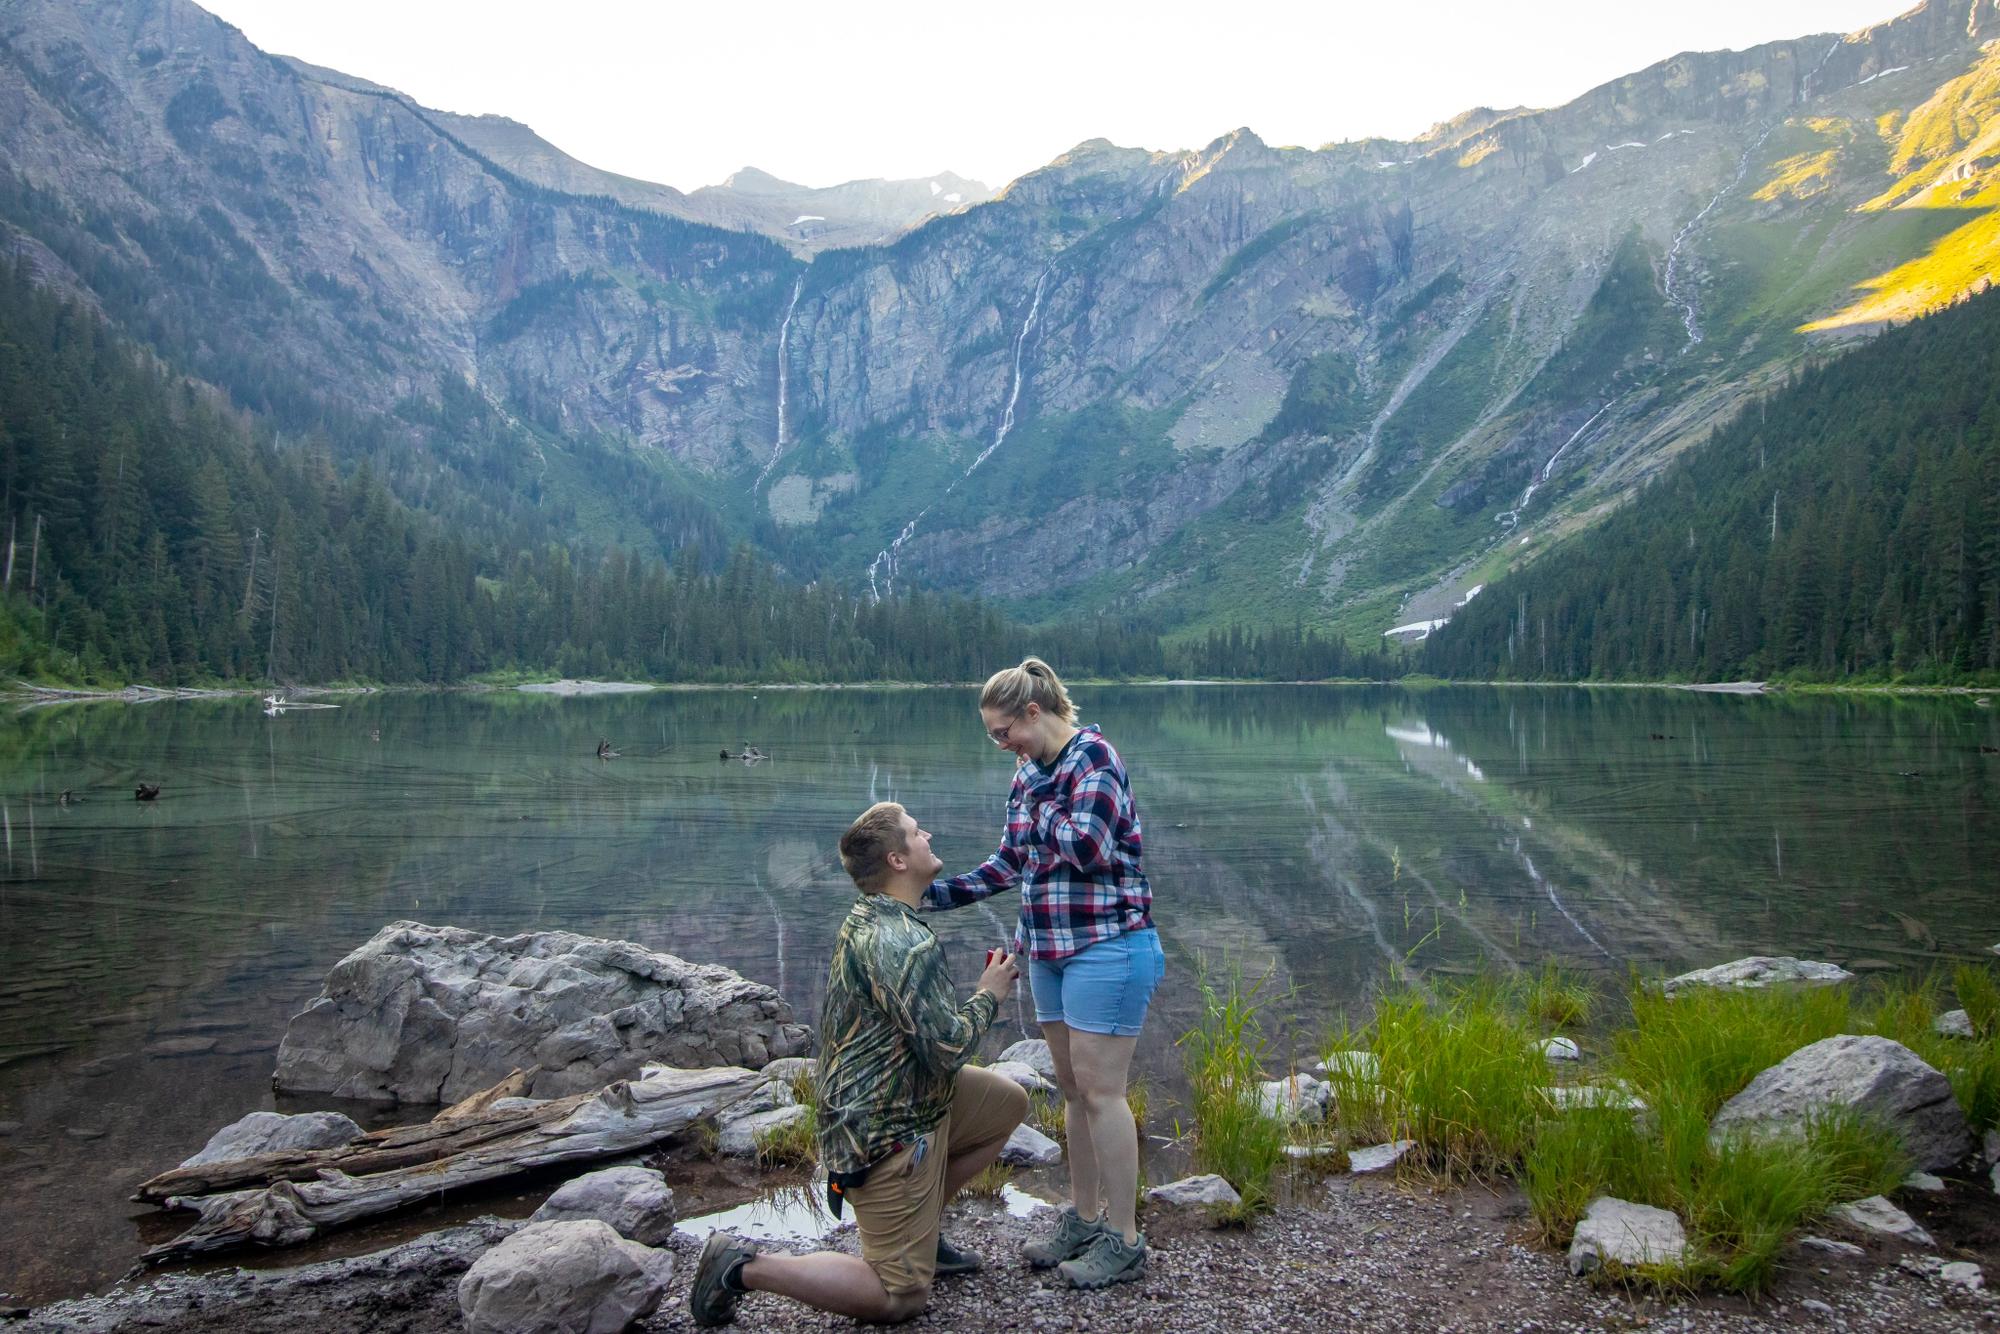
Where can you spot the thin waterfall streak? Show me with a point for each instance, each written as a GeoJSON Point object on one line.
{"type": "Point", "coordinates": [1691, 304]}
{"type": "Point", "coordinates": [1014, 395]}
{"type": "Point", "coordinates": [1512, 517]}
{"type": "Point", "coordinates": [34, 852]}
{"type": "Point", "coordinates": [887, 556]}
{"type": "Point", "coordinates": [1805, 84]}
{"type": "Point", "coordinates": [7, 817]}
{"type": "Point", "coordinates": [784, 339]}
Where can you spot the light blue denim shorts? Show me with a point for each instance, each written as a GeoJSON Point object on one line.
{"type": "Point", "coordinates": [1105, 988]}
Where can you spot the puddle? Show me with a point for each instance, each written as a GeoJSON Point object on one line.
{"type": "Point", "coordinates": [799, 1213]}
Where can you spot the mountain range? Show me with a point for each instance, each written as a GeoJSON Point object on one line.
{"type": "Point", "coordinates": [1348, 385]}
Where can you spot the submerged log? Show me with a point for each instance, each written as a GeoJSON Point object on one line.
{"type": "Point", "coordinates": [282, 1199]}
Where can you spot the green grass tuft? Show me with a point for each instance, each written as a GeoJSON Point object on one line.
{"type": "Point", "coordinates": [1223, 1056]}
{"type": "Point", "coordinates": [793, 1145]}
{"type": "Point", "coordinates": [986, 1186]}
{"type": "Point", "coordinates": [1979, 994]}
{"type": "Point", "coordinates": [1556, 998]}
{"type": "Point", "coordinates": [1461, 1074]}
{"type": "Point", "coordinates": [1708, 1043]}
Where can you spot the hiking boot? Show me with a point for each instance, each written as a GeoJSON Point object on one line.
{"type": "Point", "coordinates": [952, 1261]}
{"type": "Point", "coordinates": [1107, 1260]}
{"type": "Point", "coordinates": [1071, 1235]}
{"type": "Point", "coordinates": [718, 1278]}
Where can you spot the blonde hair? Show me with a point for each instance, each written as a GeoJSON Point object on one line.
{"type": "Point", "coordinates": [865, 847]}
{"type": "Point", "coordinates": [1012, 689]}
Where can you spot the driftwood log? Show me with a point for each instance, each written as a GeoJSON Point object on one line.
{"type": "Point", "coordinates": [282, 1199]}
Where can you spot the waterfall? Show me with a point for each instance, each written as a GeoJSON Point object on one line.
{"type": "Point", "coordinates": [1014, 394]}
{"type": "Point", "coordinates": [1690, 303]}
{"type": "Point", "coordinates": [887, 556]}
{"type": "Point", "coordinates": [1512, 517]}
{"type": "Point", "coordinates": [784, 339]}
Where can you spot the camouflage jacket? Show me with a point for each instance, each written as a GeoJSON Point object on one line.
{"type": "Point", "coordinates": [892, 1038]}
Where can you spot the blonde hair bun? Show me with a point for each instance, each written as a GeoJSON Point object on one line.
{"type": "Point", "coordinates": [1012, 689]}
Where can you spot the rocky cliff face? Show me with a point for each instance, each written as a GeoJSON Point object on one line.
{"type": "Point", "coordinates": [1239, 381]}
{"type": "Point", "coordinates": [289, 236]}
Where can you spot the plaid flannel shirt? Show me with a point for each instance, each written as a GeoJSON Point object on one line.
{"type": "Point", "coordinates": [1072, 845]}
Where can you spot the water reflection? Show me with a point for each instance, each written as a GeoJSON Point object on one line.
{"type": "Point", "coordinates": [150, 952]}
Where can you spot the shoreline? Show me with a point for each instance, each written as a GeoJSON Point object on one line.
{"type": "Point", "coordinates": [30, 695]}
{"type": "Point", "coordinates": [1348, 1253]}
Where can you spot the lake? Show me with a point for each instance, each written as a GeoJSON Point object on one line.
{"type": "Point", "coordinates": [1327, 838]}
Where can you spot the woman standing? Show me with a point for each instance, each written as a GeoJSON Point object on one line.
{"type": "Point", "coordinates": [1072, 846]}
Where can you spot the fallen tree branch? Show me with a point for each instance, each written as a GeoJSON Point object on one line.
{"type": "Point", "coordinates": [282, 1199]}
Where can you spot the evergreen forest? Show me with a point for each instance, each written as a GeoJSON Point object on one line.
{"type": "Point", "coordinates": [1846, 527]}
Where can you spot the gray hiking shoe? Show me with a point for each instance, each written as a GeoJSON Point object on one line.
{"type": "Point", "coordinates": [712, 1297]}
{"type": "Point", "coordinates": [1105, 1261]}
{"type": "Point", "coordinates": [1071, 1235]}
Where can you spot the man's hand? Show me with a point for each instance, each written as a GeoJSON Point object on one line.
{"type": "Point", "coordinates": [1001, 970]}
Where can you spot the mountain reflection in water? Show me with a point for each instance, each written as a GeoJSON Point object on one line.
{"type": "Point", "coordinates": [151, 952]}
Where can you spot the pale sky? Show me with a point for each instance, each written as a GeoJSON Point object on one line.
{"type": "Point", "coordinates": [686, 93]}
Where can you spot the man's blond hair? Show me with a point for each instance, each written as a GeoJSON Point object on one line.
{"type": "Point", "coordinates": [865, 847]}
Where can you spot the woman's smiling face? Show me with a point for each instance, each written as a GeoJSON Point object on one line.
{"type": "Point", "coordinates": [1016, 733]}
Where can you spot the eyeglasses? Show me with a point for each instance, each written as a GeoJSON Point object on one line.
{"type": "Point", "coordinates": [999, 735]}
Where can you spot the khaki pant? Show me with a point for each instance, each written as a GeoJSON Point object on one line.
{"type": "Point", "coordinates": [897, 1209]}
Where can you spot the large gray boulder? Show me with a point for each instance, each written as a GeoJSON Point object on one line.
{"type": "Point", "coordinates": [1618, 1232]}
{"type": "Point", "coordinates": [1759, 970]}
{"type": "Point", "coordinates": [274, 1132]}
{"type": "Point", "coordinates": [578, 1277]}
{"type": "Point", "coordinates": [427, 1014]}
{"type": "Point", "coordinates": [634, 1202]}
{"type": "Point", "coordinates": [1881, 1080]}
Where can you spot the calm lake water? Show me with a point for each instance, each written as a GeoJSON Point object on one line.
{"type": "Point", "coordinates": [150, 953]}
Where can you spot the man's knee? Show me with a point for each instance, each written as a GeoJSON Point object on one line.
{"type": "Point", "coordinates": [1015, 1107]}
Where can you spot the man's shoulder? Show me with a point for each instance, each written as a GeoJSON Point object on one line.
{"type": "Point", "coordinates": [882, 927]}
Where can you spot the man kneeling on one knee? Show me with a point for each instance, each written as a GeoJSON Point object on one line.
{"type": "Point", "coordinates": [903, 1121]}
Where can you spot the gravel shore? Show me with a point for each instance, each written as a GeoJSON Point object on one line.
{"type": "Point", "coordinates": [1352, 1255]}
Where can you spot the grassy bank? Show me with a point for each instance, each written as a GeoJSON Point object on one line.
{"type": "Point", "coordinates": [1458, 1069]}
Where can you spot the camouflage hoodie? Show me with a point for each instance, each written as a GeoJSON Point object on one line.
{"type": "Point", "coordinates": [892, 1038]}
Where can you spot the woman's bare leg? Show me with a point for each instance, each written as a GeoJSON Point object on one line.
{"type": "Point", "coordinates": [1099, 1064]}
{"type": "Point", "coordinates": [1081, 1149]}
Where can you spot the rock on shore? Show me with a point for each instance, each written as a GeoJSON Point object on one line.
{"type": "Point", "coordinates": [635, 1202]}
{"type": "Point", "coordinates": [274, 1132]}
{"type": "Point", "coordinates": [579, 1275]}
{"type": "Point", "coordinates": [427, 1014]}
{"type": "Point", "coordinates": [1759, 971]}
{"type": "Point", "coordinates": [1618, 1232]}
{"type": "Point", "coordinates": [1873, 1076]}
